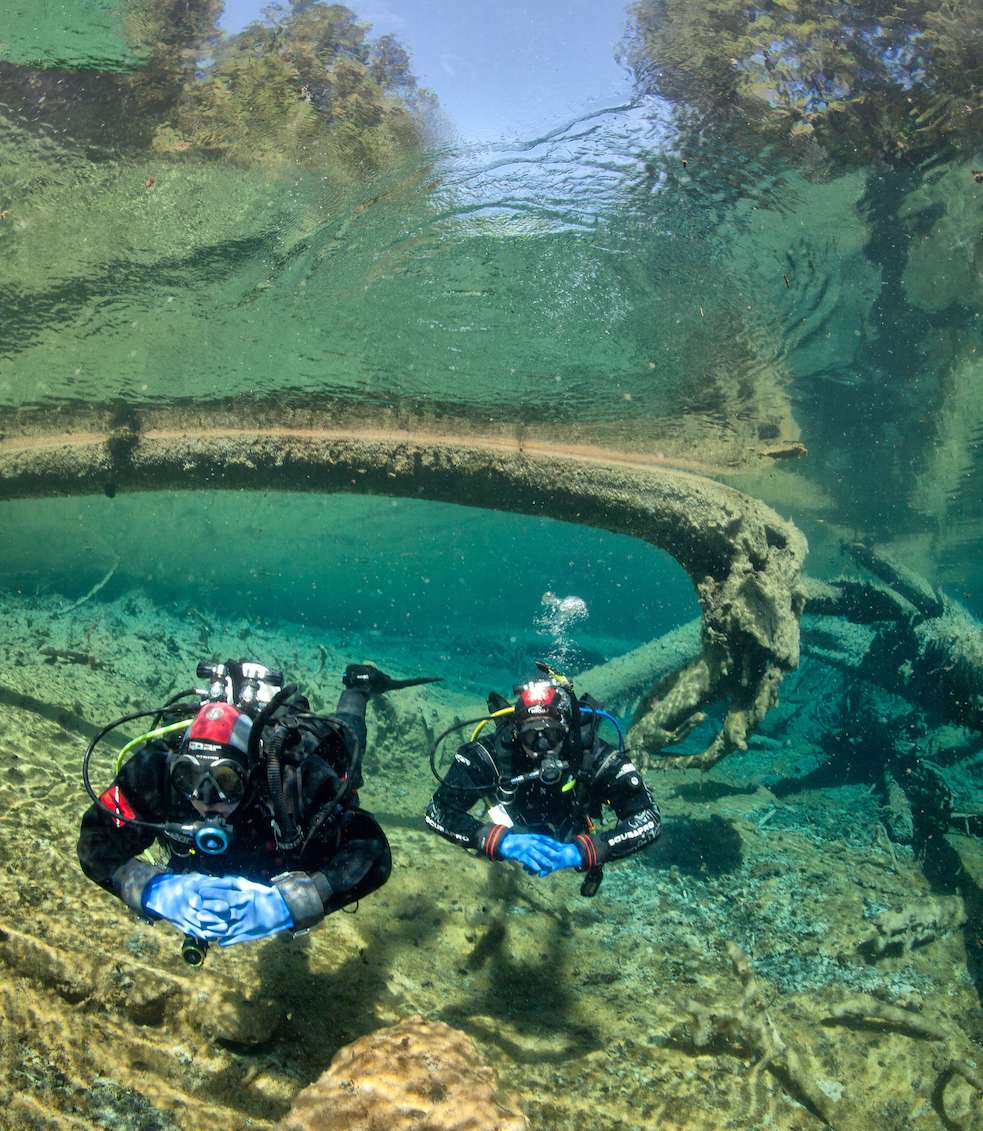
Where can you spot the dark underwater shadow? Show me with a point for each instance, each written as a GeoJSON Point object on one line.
{"type": "Point", "coordinates": [701, 847]}
{"type": "Point", "coordinates": [325, 1011]}
{"type": "Point", "coordinates": [533, 997]}
{"type": "Point", "coordinates": [707, 790]}
{"type": "Point", "coordinates": [832, 774]}
{"type": "Point", "coordinates": [947, 874]}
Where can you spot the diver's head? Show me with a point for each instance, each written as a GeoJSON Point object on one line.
{"type": "Point", "coordinates": [541, 720]}
{"type": "Point", "coordinates": [211, 768]}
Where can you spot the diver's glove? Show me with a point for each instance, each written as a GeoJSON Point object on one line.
{"type": "Point", "coordinates": [183, 899]}
{"type": "Point", "coordinates": [562, 855]}
{"type": "Point", "coordinates": [528, 850]}
{"type": "Point", "coordinates": [368, 678]}
{"type": "Point", "coordinates": [260, 909]}
{"type": "Point", "coordinates": [540, 855]}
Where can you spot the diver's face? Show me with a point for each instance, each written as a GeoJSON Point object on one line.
{"type": "Point", "coordinates": [541, 738]}
{"type": "Point", "coordinates": [214, 809]}
{"type": "Point", "coordinates": [214, 786]}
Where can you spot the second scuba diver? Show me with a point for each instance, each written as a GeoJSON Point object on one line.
{"type": "Point", "coordinates": [545, 774]}
{"type": "Point", "coordinates": [254, 799]}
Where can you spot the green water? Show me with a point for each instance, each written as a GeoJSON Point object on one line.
{"type": "Point", "coordinates": [430, 583]}
{"type": "Point", "coordinates": [760, 257]}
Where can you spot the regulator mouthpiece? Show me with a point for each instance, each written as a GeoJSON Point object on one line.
{"type": "Point", "coordinates": [213, 840]}
{"type": "Point", "coordinates": [551, 770]}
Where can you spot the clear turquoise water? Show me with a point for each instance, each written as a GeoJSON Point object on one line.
{"type": "Point", "coordinates": [432, 585]}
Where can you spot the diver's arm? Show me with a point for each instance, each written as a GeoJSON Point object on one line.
{"type": "Point", "coordinates": [351, 710]}
{"type": "Point", "coordinates": [639, 819]}
{"type": "Point", "coordinates": [361, 681]}
{"type": "Point", "coordinates": [336, 871]}
{"type": "Point", "coordinates": [469, 778]}
{"type": "Point", "coordinates": [107, 846]}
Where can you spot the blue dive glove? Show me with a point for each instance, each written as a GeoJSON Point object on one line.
{"type": "Point", "coordinates": [181, 900]}
{"type": "Point", "coordinates": [539, 855]}
{"type": "Point", "coordinates": [562, 855]}
{"type": "Point", "coordinates": [258, 910]}
{"type": "Point", "coordinates": [529, 850]}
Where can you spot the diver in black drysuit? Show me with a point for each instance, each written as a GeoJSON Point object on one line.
{"type": "Point", "coordinates": [546, 821]}
{"type": "Point", "coordinates": [340, 852]}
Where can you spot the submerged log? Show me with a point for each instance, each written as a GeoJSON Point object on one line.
{"type": "Point", "coordinates": [917, 644]}
{"type": "Point", "coordinates": [622, 682]}
{"type": "Point", "coordinates": [904, 581]}
{"type": "Point", "coordinates": [935, 662]}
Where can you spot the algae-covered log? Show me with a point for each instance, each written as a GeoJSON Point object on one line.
{"type": "Point", "coordinates": [626, 679]}
{"type": "Point", "coordinates": [927, 647]}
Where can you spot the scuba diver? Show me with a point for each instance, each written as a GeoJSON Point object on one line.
{"type": "Point", "coordinates": [253, 798]}
{"type": "Point", "coordinates": [545, 774]}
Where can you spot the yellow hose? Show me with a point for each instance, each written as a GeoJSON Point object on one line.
{"type": "Point", "coordinates": [145, 738]}
{"type": "Point", "coordinates": [484, 722]}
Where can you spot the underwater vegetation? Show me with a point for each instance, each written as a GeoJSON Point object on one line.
{"type": "Point", "coordinates": [307, 87]}
{"type": "Point", "coordinates": [846, 84]}
{"type": "Point", "coordinates": [880, 104]}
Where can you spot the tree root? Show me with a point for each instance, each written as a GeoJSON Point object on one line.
{"type": "Point", "coordinates": [864, 1009]}
{"type": "Point", "coordinates": [926, 648]}
{"type": "Point", "coordinates": [917, 925]}
{"type": "Point", "coordinates": [971, 1075]}
{"type": "Point", "coordinates": [750, 640]}
{"type": "Point", "coordinates": [742, 717]}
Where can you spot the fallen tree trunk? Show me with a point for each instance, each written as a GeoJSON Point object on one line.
{"type": "Point", "coordinates": [935, 662]}
{"type": "Point", "coordinates": [744, 560]}
{"type": "Point", "coordinates": [622, 682]}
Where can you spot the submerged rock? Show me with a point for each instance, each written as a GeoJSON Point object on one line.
{"type": "Point", "coordinates": [123, 1109]}
{"type": "Point", "coordinates": [412, 1075]}
{"type": "Point", "coordinates": [245, 1021]}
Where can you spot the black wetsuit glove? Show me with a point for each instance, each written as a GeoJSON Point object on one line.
{"type": "Point", "coordinates": [367, 678]}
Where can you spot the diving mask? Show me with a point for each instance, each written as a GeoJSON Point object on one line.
{"type": "Point", "coordinates": [209, 780]}
{"type": "Point", "coordinates": [541, 738]}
